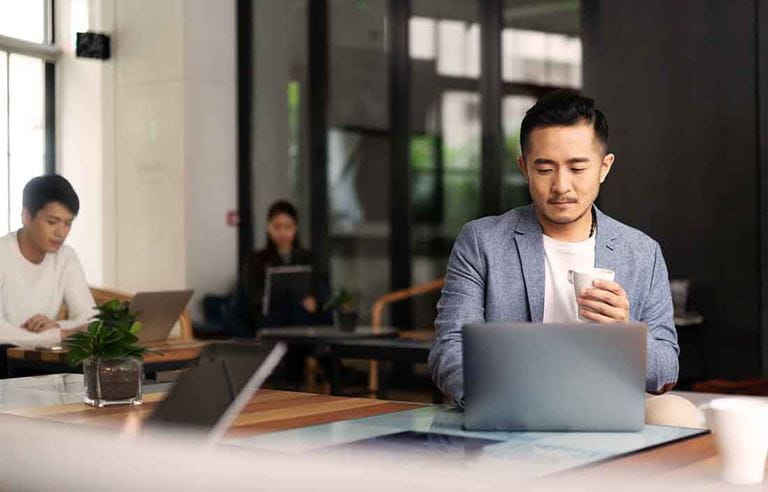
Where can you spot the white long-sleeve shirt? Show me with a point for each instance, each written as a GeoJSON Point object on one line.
{"type": "Point", "coordinates": [28, 289]}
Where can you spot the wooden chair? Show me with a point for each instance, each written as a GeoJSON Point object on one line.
{"type": "Point", "coordinates": [377, 315]}
{"type": "Point", "coordinates": [103, 295]}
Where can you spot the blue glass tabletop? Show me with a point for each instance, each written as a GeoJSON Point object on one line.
{"type": "Point", "coordinates": [436, 432]}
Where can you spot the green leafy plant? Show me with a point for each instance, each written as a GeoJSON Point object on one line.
{"type": "Point", "coordinates": [342, 300]}
{"type": "Point", "coordinates": [110, 335]}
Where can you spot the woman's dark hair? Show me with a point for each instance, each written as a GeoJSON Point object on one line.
{"type": "Point", "coordinates": [42, 190]}
{"type": "Point", "coordinates": [563, 107]}
{"type": "Point", "coordinates": [282, 207]}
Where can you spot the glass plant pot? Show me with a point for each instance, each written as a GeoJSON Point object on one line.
{"type": "Point", "coordinates": [112, 381]}
{"type": "Point", "coordinates": [345, 320]}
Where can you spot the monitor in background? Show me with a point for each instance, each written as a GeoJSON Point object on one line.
{"type": "Point", "coordinates": [286, 283]}
{"type": "Point", "coordinates": [554, 377]}
{"type": "Point", "coordinates": [158, 312]}
{"type": "Point", "coordinates": [209, 396]}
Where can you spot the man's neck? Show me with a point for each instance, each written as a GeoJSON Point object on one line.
{"type": "Point", "coordinates": [572, 232]}
{"type": "Point", "coordinates": [29, 249]}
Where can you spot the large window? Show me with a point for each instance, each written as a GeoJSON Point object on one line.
{"type": "Point", "coordinates": [26, 55]}
{"type": "Point", "coordinates": [540, 50]}
{"type": "Point", "coordinates": [364, 214]}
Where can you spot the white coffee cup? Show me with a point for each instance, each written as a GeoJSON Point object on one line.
{"type": "Point", "coordinates": [584, 277]}
{"type": "Point", "coordinates": [740, 428]}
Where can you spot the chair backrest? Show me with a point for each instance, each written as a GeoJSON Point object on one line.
{"type": "Point", "coordinates": [103, 295]}
{"type": "Point", "coordinates": [377, 311]}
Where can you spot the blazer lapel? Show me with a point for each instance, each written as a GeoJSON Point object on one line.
{"type": "Point", "coordinates": [530, 248]}
{"type": "Point", "coordinates": [606, 244]}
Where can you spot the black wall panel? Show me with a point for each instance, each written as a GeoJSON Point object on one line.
{"type": "Point", "coordinates": [679, 84]}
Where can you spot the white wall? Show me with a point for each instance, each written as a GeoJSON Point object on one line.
{"type": "Point", "coordinates": [84, 137]}
{"type": "Point", "coordinates": [149, 144]}
{"type": "Point", "coordinates": [210, 144]}
{"type": "Point", "coordinates": [148, 139]}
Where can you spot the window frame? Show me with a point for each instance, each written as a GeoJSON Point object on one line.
{"type": "Point", "coordinates": [48, 53]}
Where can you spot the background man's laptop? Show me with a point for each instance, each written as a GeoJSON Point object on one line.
{"type": "Point", "coordinates": [208, 396]}
{"type": "Point", "coordinates": [159, 311]}
{"type": "Point", "coordinates": [554, 377]}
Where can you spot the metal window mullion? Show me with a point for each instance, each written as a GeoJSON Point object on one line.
{"type": "Point", "coordinates": [47, 52]}
{"type": "Point", "coordinates": [8, 136]}
{"type": "Point", "coordinates": [48, 14]}
{"type": "Point", "coordinates": [49, 117]}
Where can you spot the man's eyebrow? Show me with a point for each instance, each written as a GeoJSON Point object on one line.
{"type": "Point", "coordinates": [572, 160]}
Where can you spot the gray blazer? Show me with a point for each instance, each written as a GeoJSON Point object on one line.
{"type": "Point", "coordinates": [496, 273]}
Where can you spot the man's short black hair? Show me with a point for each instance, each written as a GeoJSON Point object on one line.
{"type": "Point", "coordinates": [563, 108]}
{"type": "Point", "coordinates": [42, 190]}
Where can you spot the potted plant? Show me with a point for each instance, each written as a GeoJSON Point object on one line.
{"type": "Point", "coordinates": [344, 313]}
{"type": "Point", "coordinates": [112, 363]}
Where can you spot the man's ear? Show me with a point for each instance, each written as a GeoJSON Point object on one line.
{"type": "Point", "coordinates": [521, 165]}
{"type": "Point", "coordinates": [26, 217]}
{"type": "Point", "coordinates": [605, 167]}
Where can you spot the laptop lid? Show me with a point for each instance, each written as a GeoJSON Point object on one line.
{"type": "Point", "coordinates": [286, 283]}
{"type": "Point", "coordinates": [210, 395]}
{"type": "Point", "coordinates": [158, 312]}
{"type": "Point", "coordinates": [554, 377]}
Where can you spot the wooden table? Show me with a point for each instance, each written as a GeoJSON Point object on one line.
{"type": "Point", "coordinates": [318, 338]}
{"type": "Point", "coordinates": [268, 411]}
{"type": "Point", "coordinates": [167, 355]}
{"type": "Point", "coordinates": [321, 335]}
{"type": "Point", "coordinates": [690, 462]}
{"type": "Point", "coordinates": [387, 351]}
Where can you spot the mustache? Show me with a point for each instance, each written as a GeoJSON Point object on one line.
{"type": "Point", "coordinates": [560, 200]}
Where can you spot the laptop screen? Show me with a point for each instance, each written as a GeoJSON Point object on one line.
{"type": "Point", "coordinates": [225, 377]}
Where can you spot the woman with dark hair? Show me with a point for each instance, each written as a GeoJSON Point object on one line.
{"type": "Point", "coordinates": [283, 249]}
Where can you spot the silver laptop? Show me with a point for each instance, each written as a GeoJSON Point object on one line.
{"type": "Point", "coordinates": [158, 312]}
{"type": "Point", "coordinates": [554, 377]}
{"type": "Point", "coordinates": [209, 396]}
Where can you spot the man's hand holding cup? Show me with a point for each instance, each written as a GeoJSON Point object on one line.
{"type": "Point", "coordinates": [599, 298]}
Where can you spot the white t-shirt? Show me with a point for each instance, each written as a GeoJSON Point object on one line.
{"type": "Point", "coordinates": [559, 257]}
{"type": "Point", "coordinates": [28, 289]}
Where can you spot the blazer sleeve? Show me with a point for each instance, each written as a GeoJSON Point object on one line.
{"type": "Point", "coordinates": [663, 349]}
{"type": "Point", "coordinates": [462, 301]}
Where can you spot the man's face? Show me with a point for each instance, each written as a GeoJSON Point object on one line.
{"type": "Point", "coordinates": [564, 166]}
{"type": "Point", "coordinates": [50, 226]}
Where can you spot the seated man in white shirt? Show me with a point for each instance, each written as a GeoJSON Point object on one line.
{"type": "Point", "coordinates": [38, 273]}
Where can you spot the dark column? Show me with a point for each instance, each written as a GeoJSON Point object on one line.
{"type": "Point", "coordinates": [399, 155]}
{"type": "Point", "coordinates": [318, 132]}
{"type": "Point", "coordinates": [491, 18]}
{"type": "Point", "coordinates": [761, 20]}
{"type": "Point", "coordinates": [244, 126]}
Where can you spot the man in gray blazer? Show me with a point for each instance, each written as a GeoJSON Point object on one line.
{"type": "Point", "coordinates": [514, 267]}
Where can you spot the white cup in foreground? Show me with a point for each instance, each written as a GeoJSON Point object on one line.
{"type": "Point", "coordinates": [740, 428]}
{"type": "Point", "coordinates": [584, 278]}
